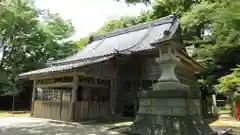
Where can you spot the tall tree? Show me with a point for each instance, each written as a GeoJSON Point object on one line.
{"type": "Point", "coordinates": [222, 56]}
{"type": "Point", "coordinates": [29, 38]}
{"type": "Point", "coordinates": [230, 82]}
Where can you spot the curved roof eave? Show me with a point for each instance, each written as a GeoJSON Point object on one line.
{"type": "Point", "coordinates": [58, 68]}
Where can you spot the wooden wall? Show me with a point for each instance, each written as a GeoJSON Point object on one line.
{"type": "Point", "coordinates": [91, 110]}
{"type": "Point", "coordinates": [104, 70]}
{"type": "Point", "coordinates": [81, 110]}
{"type": "Point", "coordinates": [52, 110]}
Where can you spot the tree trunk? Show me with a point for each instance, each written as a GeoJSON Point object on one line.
{"type": "Point", "coordinates": [2, 59]}
{"type": "Point", "coordinates": [13, 105]}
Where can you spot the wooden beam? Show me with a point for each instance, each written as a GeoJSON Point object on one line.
{"type": "Point", "coordinates": [55, 74]}
{"type": "Point", "coordinates": [55, 85]}
{"type": "Point", "coordinates": [62, 74]}
{"type": "Point", "coordinates": [92, 85]}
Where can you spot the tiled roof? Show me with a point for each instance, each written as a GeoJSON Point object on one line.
{"type": "Point", "coordinates": [127, 40]}
{"type": "Point", "coordinates": [134, 38]}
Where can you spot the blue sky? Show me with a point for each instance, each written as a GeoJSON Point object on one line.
{"type": "Point", "coordinates": [89, 15]}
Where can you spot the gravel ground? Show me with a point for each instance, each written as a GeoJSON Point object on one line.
{"type": "Point", "coordinates": [33, 126]}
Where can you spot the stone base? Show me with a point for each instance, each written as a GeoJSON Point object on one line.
{"type": "Point", "coordinates": [170, 125]}
{"type": "Point", "coordinates": [170, 109]}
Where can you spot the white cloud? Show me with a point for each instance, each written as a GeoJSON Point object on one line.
{"type": "Point", "coordinates": [89, 15]}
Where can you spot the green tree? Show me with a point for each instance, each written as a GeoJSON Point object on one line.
{"type": "Point", "coordinates": [230, 83]}
{"type": "Point", "coordinates": [224, 54]}
{"type": "Point", "coordinates": [29, 38]}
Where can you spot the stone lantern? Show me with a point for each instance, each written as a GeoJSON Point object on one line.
{"type": "Point", "coordinates": [170, 108]}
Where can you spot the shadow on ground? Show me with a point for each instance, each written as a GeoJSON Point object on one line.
{"type": "Point", "coordinates": [17, 126]}
{"type": "Point", "coordinates": [31, 126]}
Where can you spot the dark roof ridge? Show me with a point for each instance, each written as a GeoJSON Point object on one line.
{"type": "Point", "coordinates": [140, 26]}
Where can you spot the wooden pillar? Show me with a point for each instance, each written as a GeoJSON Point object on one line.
{"type": "Point", "coordinates": [118, 93]}
{"type": "Point", "coordinates": [112, 99]}
{"type": "Point", "coordinates": [89, 103]}
{"type": "Point", "coordinates": [33, 96]}
{"type": "Point", "coordinates": [61, 102]}
{"type": "Point", "coordinates": [74, 97]}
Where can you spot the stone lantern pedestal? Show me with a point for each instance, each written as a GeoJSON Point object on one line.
{"type": "Point", "coordinates": [170, 109]}
{"type": "Point", "coordinates": [172, 112]}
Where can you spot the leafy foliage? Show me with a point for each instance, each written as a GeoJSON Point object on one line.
{"type": "Point", "coordinates": [230, 83]}
{"type": "Point", "coordinates": [224, 55]}
{"type": "Point", "coordinates": [29, 38]}
{"type": "Point", "coordinates": [82, 42]}
{"type": "Point", "coordinates": [115, 24]}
